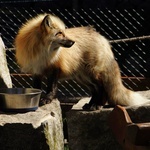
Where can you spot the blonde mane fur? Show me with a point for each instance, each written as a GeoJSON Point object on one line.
{"type": "Point", "coordinates": [40, 45]}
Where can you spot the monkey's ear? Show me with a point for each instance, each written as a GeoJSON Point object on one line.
{"type": "Point", "coordinates": [46, 23]}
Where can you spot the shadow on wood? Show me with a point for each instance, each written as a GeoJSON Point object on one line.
{"type": "Point", "coordinates": [131, 136]}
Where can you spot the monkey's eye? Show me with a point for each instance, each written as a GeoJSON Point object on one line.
{"type": "Point", "coordinates": [59, 33]}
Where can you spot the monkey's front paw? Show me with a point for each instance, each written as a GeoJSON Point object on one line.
{"type": "Point", "coordinates": [92, 107]}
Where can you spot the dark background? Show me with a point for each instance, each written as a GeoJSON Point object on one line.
{"type": "Point", "coordinates": [115, 19]}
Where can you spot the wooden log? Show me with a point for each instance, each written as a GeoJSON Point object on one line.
{"type": "Point", "coordinates": [132, 136]}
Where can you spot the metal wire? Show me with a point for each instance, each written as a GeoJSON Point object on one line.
{"type": "Point", "coordinates": [121, 27]}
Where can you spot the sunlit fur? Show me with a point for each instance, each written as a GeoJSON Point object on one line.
{"type": "Point", "coordinates": [89, 58]}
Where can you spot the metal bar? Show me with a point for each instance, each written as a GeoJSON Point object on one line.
{"type": "Point", "coordinates": [130, 39]}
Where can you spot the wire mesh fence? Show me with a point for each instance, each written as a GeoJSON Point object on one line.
{"type": "Point", "coordinates": [133, 57]}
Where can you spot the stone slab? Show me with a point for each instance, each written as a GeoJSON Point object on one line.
{"type": "Point", "coordinates": [39, 130]}
{"type": "Point", "coordinates": [89, 130]}
{"type": "Point", "coordinates": [5, 79]}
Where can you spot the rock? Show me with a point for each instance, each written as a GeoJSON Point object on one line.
{"type": "Point", "coordinates": [81, 103]}
{"type": "Point", "coordinates": [40, 130]}
{"type": "Point", "coordinates": [5, 79]}
{"type": "Point", "coordinates": [89, 130]}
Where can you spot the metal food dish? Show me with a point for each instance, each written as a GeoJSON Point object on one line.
{"type": "Point", "coordinates": [19, 99]}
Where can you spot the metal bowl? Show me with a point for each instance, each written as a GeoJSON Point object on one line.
{"type": "Point", "coordinates": [19, 99]}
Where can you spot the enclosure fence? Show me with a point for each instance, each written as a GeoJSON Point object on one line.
{"type": "Point", "coordinates": [126, 29]}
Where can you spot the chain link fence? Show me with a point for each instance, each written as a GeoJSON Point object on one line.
{"type": "Point", "coordinates": [133, 56]}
